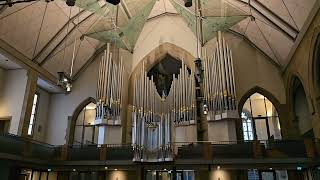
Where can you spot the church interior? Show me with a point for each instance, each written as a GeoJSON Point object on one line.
{"type": "Point", "coordinates": [159, 89]}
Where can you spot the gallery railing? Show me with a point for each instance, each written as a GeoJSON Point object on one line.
{"type": "Point", "coordinates": [161, 154]}
{"type": "Point", "coordinates": [24, 147]}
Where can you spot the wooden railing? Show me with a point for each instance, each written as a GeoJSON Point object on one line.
{"type": "Point", "coordinates": [27, 148]}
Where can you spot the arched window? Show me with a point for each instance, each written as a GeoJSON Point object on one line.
{"type": "Point", "coordinates": [260, 119]}
{"type": "Point", "coordinates": [316, 63]}
{"type": "Point", "coordinates": [301, 109]}
{"type": "Point", "coordinates": [85, 130]}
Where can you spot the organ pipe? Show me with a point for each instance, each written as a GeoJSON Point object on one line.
{"type": "Point", "coordinates": [219, 83]}
{"type": "Point", "coordinates": [154, 115]}
{"type": "Point", "coordinates": [109, 92]}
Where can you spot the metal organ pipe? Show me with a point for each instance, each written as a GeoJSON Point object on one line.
{"type": "Point", "coordinates": [109, 92]}
{"type": "Point", "coordinates": [219, 84]}
{"type": "Point", "coordinates": [156, 112]}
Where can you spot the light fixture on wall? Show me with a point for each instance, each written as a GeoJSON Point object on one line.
{"type": "Point", "coordinates": [205, 109]}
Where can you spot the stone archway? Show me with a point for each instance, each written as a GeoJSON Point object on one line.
{"type": "Point", "coordinates": [73, 119]}
{"type": "Point", "coordinates": [247, 95]}
{"type": "Point", "coordinates": [261, 91]}
{"type": "Point", "coordinates": [300, 107]}
{"type": "Point", "coordinates": [282, 109]}
{"type": "Point", "coordinates": [314, 70]}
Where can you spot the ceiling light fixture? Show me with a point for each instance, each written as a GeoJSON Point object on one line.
{"type": "Point", "coordinates": [64, 80]}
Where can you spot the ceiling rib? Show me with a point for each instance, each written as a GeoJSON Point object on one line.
{"type": "Point", "coordinates": [64, 38]}
{"type": "Point", "coordinates": [255, 46]}
{"type": "Point", "coordinates": [126, 10]}
{"type": "Point", "coordinates": [18, 57]}
{"type": "Point", "coordinates": [292, 38]}
{"type": "Point", "coordinates": [57, 34]}
{"type": "Point", "coordinates": [89, 61]}
{"type": "Point", "coordinates": [289, 26]}
{"type": "Point", "coordinates": [2, 8]}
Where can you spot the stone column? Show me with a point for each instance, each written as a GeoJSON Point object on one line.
{"type": "Point", "coordinates": [28, 102]}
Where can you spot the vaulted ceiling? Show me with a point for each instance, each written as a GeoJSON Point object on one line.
{"type": "Point", "coordinates": [53, 34]}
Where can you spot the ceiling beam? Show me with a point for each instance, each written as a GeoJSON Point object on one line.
{"type": "Point", "coordinates": [125, 8]}
{"type": "Point", "coordinates": [67, 35]}
{"type": "Point", "coordinates": [288, 35]}
{"type": "Point", "coordinates": [64, 39]}
{"type": "Point", "coordinates": [2, 8]}
{"type": "Point", "coordinates": [89, 61]}
{"type": "Point", "coordinates": [57, 34]}
{"type": "Point", "coordinates": [19, 58]}
{"type": "Point", "coordinates": [279, 18]}
{"type": "Point", "coordinates": [255, 46]}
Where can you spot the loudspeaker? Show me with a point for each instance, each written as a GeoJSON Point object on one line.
{"type": "Point", "coordinates": [114, 2]}
{"type": "Point", "coordinates": [71, 2]}
{"type": "Point", "coordinates": [187, 3]}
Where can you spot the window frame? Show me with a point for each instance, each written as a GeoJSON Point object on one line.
{"type": "Point", "coordinates": [34, 114]}
{"type": "Point", "coordinates": [251, 117]}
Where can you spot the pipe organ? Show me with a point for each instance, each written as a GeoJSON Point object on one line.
{"type": "Point", "coordinates": [182, 98]}
{"type": "Point", "coordinates": [219, 83]}
{"type": "Point", "coordinates": [155, 116]}
{"type": "Point", "coordinates": [109, 90]}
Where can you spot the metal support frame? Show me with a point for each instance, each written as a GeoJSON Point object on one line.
{"type": "Point", "coordinates": [64, 38]}
{"type": "Point", "coordinates": [89, 61]}
{"type": "Point", "coordinates": [3, 8]}
{"type": "Point", "coordinates": [57, 34]}
{"type": "Point", "coordinates": [126, 10]}
{"type": "Point", "coordinates": [18, 57]}
{"type": "Point", "coordinates": [289, 26]}
{"type": "Point", "coordinates": [284, 23]}
{"type": "Point", "coordinates": [255, 46]}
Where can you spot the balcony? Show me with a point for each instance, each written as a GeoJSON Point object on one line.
{"type": "Point", "coordinates": [283, 151]}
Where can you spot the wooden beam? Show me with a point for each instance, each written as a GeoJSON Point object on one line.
{"type": "Point", "coordinates": [26, 111]}
{"type": "Point", "coordinates": [280, 29]}
{"type": "Point", "coordinates": [57, 34]}
{"type": "Point", "coordinates": [26, 63]}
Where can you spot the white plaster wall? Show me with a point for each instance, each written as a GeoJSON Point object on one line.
{"type": "Point", "coordinates": [121, 175]}
{"type": "Point", "coordinates": [42, 115]}
{"type": "Point", "coordinates": [171, 29]}
{"type": "Point", "coordinates": [185, 133]}
{"type": "Point", "coordinates": [113, 134]}
{"type": "Point", "coordinates": [222, 130]}
{"type": "Point", "coordinates": [117, 175]}
{"type": "Point", "coordinates": [221, 175]}
{"type": "Point", "coordinates": [252, 68]}
{"type": "Point", "coordinates": [12, 97]}
{"type": "Point", "coordinates": [62, 106]}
